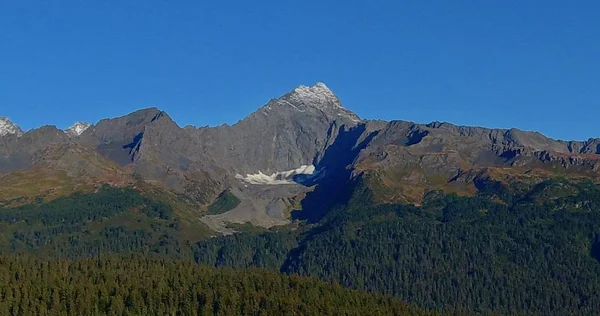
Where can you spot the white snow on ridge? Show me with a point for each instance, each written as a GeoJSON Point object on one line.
{"type": "Point", "coordinates": [277, 178]}
{"type": "Point", "coordinates": [317, 94]}
{"type": "Point", "coordinates": [317, 97]}
{"type": "Point", "coordinates": [77, 129]}
{"type": "Point", "coordinates": [8, 127]}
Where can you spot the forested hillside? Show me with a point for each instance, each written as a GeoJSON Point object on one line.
{"type": "Point", "coordinates": [512, 248]}
{"type": "Point", "coordinates": [506, 250]}
{"type": "Point", "coordinates": [110, 220]}
{"type": "Point", "coordinates": [141, 286]}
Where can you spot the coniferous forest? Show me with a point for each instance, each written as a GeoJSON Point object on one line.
{"type": "Point", "coordinates": [133, 285]}
{"type": "Point", "coordinates": [509, 249]}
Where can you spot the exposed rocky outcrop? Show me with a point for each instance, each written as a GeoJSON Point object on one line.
{"type": "Point", "coordinates": [7, 127]}
{"type": "Point", "coordinates": [77, 129]}
{"type": "Point", "coordinates": [285, 134]}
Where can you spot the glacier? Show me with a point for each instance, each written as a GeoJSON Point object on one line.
{"type": "Point", "coordinates": [277, 178]}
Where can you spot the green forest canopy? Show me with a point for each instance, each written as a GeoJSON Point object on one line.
{"type": "Point", "coordinates": [134, 285]}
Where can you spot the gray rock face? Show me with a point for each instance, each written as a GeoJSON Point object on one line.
{"type": "Point", "coordinates": [7, 127]}
{"type": "Point", "coordinates": [155, 147]}
{"type": "Point", "coordinates": [16, 151]}
{"type": "Point", "coordinates": [283, 135]}
{"type": "Point", "coordinates": [443, 148]}
{"type": "Point", "coordinates": [120, 139]}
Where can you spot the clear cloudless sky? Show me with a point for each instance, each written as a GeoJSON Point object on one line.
{"type": "Point", "coordinates": [533, 65]}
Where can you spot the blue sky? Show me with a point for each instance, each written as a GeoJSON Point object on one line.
{"type": "Point", "coordinates": [533, 65]}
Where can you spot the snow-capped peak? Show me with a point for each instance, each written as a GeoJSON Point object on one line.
{"type": "Point", "coordinates": [317, 99]}
{"type": "Point", "coordinates": [316, 95]}
{"type": "Point", "coordinates": [8, 127]}
{"type": "Point", "coordinates": [77, 128]}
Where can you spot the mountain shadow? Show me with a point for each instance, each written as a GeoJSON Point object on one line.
{"type": "Point", "coordinates": [595, 251]}
{"type": "Point", "coordinates": [120, 153]}
{"type": "Point", "coordinates": [335, 165]}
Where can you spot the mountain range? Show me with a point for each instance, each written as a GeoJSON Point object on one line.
{"type": "Point", "coordinates": [450, 219]}
{"type": "Point", "coordinates": [285, 161]}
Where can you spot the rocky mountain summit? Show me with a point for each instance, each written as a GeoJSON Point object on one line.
{"type": "Point", "coordinates": [298, 151]}
{"type": "Point", "coordinates": [77, 129]}
{"type": "Point", "coordinates": [7, 127]}
{"type": "Point", "coordinates": [286, 134]}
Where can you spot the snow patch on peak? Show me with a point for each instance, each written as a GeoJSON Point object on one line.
{"type": "Point", "coordinates": [317, 99]}
{"type": "Point", "coordinates": [321, 85]}
{"type": "Point", "coordinates": [316, 95]}
{"type": "Point", "coordinates": [8, 127]}
{"type": "Point", "coordinates": [77, 129]}
{"type": "Point", "coordinates": [281, 177]}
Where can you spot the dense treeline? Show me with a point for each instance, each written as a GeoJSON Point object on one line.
{"type": "Point", "coordinates": [110, 220]}
{"type": "Point", "coordinates": [79, 207]}
{"type": "Point", "coordinates": [142, 286]}
{"type": "Point", "coordinates": [243, 250]}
